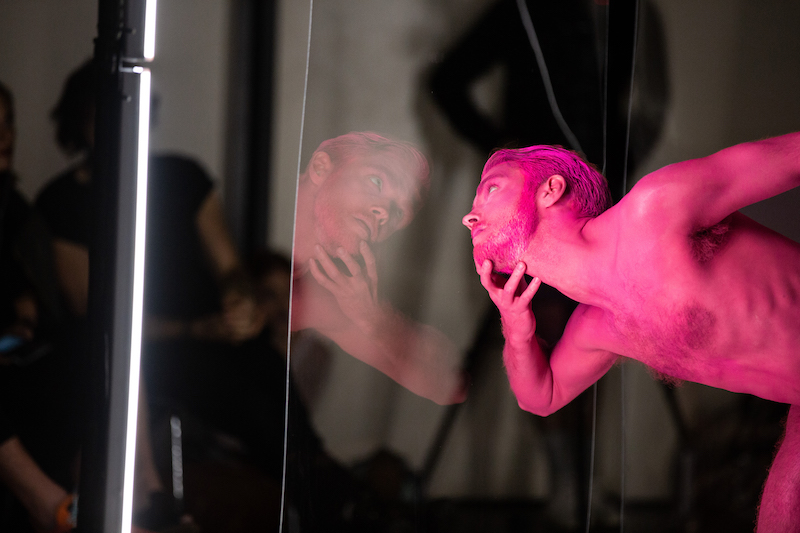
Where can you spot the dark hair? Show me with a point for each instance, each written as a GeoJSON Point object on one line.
{"type": "Point", "coordinates": [74, 109]}
{"type": "Point", "coordinates": [5, 94]}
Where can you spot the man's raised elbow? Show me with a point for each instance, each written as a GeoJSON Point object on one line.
{"type": "Point", "coordinates": [536, 409]}
{"type": "Point", "coordinates": [459, 394]}
{"type": "Point", "coordinates": [454, 392]}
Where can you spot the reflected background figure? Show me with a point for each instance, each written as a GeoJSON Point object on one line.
{"type": "Point", "coordinates": [498, 41]}
{"type": "Point", "coordinates": [571, 35]}
{"type": "Point", "coordinates": [357, 190]}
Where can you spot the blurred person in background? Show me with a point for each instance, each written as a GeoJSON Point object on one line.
{"type": "Point", "coordinates": [39, 405]}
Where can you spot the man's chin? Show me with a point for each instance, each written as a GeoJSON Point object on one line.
{"type": "Point", "coordinates": [503, 268]}
{"type": "Point", "coordinates": [499, 264]}
{"type": "Point", "coordinates": [332, 245]}
{"type": "Point", "coordinates": [351, 247]}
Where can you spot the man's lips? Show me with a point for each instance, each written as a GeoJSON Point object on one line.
{"type": "Point", "coordinates": [476, 231]}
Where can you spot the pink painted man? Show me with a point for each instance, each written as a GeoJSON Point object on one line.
{"type": "Point", "coordinates": [673, 276]}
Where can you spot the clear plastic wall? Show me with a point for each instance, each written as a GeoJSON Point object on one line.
{"type": "Point", "coordinates": [458, 80]}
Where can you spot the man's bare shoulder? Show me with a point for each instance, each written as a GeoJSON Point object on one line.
{"type": "Point", "coordinates": [700, 193]}
{"type": "Point", "coordinates": [660, 202]}
{"type": "Point", "coordinates": [654, 193]}
{"type": "Point", "coordinates": [661, 191]}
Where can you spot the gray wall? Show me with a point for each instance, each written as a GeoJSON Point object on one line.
{"type": "Point", "coordinates": [42, 42]}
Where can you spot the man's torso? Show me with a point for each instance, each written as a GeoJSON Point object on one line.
{"type": "Point", "coordinates": [719, 307]}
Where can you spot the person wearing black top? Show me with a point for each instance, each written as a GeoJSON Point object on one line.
{"type": "Point", "coordinates": [39, 408]}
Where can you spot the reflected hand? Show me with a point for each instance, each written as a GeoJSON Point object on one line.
{"type": "Point", "coordinates": [356, 294]}
{"type": "Point", "coordinates": [513, 299]}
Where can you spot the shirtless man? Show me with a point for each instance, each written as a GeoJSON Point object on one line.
{"type": "Point", "coordinates": [673, 276]}
{"type": "Point", "coordinates": [357, 190]}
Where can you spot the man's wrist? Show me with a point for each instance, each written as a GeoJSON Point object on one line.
{"type": "Point", "coordinates": [519, 337]}
{"type": "Point", "coordinates": [375, 321]}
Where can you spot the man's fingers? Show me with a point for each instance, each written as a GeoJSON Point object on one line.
{"type": "Point", "coordinates": [349, 262]}
{"type": "Point", "coordinates": [327, 264]}
{"type": "Point", "coordinates": [529, 292]}
{"type": "Point", "coordinates": [369, 261]}
{"type": "Point", "coordinates": [485, 272]}
{"type": "Point", "coordinates": [321, 278]}
{"type": "Point", "coordinates": [513, 281]}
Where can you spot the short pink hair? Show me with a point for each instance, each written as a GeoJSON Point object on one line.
{"type": "Point", "coordinates": [587, 187]}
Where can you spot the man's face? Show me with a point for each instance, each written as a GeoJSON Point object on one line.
{"type": "Point", "coordinates": [502, 220]}
{"type": "Point", "coordinates": [6, 137]}
{"type": "Point", "coordinates": [365, 198]}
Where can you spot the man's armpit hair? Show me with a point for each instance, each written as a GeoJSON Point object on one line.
{"type": "Point", "coordinates": [707, 242]}
{"type": "Point", "coordinates": [670, 381]}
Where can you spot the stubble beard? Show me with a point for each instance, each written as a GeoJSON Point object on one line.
{"type": "Point", "coordinates": [330, 231]}
{"type": "Point", "coordinates": [507, 246]}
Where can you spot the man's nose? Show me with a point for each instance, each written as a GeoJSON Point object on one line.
{"type": "Point", "coordinates": [381, 215]}
{"type": "Point", "coordinates": [469, 219]}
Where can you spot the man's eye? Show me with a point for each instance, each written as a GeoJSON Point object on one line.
{"type": "Point", "coordinates": [377, 181]}
{"type": "Point", "coordinates": [492, 188]}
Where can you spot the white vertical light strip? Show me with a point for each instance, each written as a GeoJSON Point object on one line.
{"type": "Point", "coordinates": [137, 297]}
{"type": "Point", "coordinates": [149, 30]}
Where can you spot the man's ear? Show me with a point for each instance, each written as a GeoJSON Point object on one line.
{"type": "Point", "coordinates": [319, 167]}
{"type": "Point", "coordinates": [552, 190]}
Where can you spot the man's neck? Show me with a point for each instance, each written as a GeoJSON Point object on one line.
{"type": "Point", "coordinates": [563, 255]}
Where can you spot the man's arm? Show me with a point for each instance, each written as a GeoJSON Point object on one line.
{"type": "Point", "coordinates": [39, 494]}
{"type": "Point", "coordinates": [238, 300]}
{"type": "Point", "coordinates": [415, 355]}
{"type": "Point", "coordinates": [542, 382]}
{"type": "Point", "coordinates": [701, 192]}
{"type": "Point", "coordinates": [72, 271]}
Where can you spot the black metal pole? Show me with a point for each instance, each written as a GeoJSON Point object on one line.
{"type": "Point", "coordinates": [111, 314]}
{"type": "Point", "coordinates": [94, 458]}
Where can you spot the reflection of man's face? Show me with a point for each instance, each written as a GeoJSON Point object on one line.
{"type": "Point", "coordinates": [365, 198]}
{"type": "Point", "coordinates": [6, 137]}
{"type": "Point", "coordinates": [502, 219]}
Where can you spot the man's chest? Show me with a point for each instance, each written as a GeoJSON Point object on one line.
{"type": "Point", "coordinates": [674, 336]}
{"type": "Point", "coordinates": [658, 307]}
